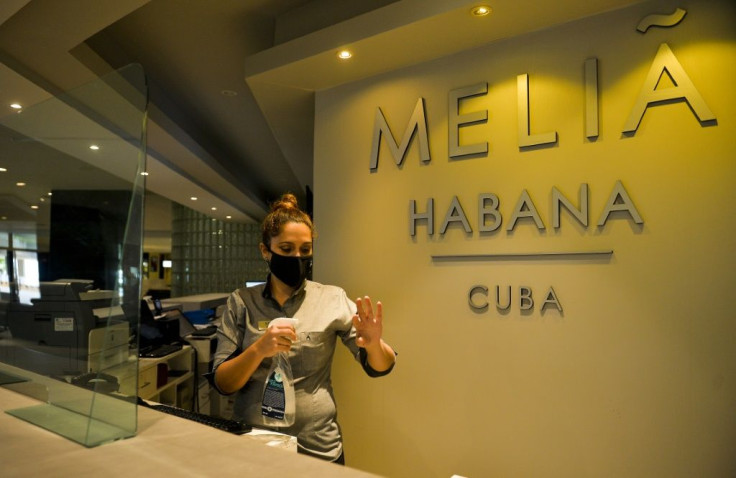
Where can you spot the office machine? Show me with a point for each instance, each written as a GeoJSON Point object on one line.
{"type": "Point", "coordinates": [197, 302]}
{"type": "Point", "coordinates": [63, 316]}
{"type": "Point", "coordinates": [59, 324]}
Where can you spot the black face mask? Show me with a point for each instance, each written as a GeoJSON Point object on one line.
{"type": "Point", "coordinates": [291, 270]}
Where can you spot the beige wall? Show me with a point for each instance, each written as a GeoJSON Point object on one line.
{"type": "Point", "coordinates": [637, 375]}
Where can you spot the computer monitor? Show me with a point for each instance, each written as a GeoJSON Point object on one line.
{"type": "Point", "coordinates": [156, 330]}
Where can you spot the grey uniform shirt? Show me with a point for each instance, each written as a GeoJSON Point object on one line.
{"type": "Point", "coordinates": [325, 313]}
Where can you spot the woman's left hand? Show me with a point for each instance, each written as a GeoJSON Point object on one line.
{"type": "Point", "coordinates": [368, 325]}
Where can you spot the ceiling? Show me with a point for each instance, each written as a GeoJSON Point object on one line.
{"type": "Point", "coordinates": [232, 82]}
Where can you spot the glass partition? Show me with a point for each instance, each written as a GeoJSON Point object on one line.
{"type": "Point", "coordinates": [71, 226]}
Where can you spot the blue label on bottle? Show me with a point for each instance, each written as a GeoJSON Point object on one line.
{"type": "Point", "coordinates": [273, 404]}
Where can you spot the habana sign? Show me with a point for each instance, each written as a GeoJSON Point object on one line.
{"type": "Point", "coordinates": [485, 216]}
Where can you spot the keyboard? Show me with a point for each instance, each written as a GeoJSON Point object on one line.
{"type": "Point", "coordinates": [159, 350]}
{"type": "Point", "coordinates": [224, 424]}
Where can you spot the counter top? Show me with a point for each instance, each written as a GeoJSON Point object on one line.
{"type": "Point", "coordinates": [164, 443]}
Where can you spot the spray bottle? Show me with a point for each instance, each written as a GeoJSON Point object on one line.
{"type": "Point", "coordinates": [278, 406]}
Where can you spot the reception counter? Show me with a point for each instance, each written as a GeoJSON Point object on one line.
{"type": "Point", "coordinates": [164, 444]}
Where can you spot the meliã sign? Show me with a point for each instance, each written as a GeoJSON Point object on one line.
{"type": "Point", "coordinates": [664, 62]}
{"type": "Point", "coordinates": [488, 217]}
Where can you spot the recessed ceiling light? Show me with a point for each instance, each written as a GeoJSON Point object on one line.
{"type": "Point", "coordinates": [214, 208]}
{"type": "Point", "coordinates": [94, 147]}
{"type": "Point", "coordinates": [3, 170]}
{"type": "Point", "coordinates": [193, 198]}
{"type": "Point", "coordinates": [49, 193]}
{"type": "Point", "coordinates": [228, 217]}
{"type": "Point", "coordinates": [344, 54]}
{"type": "Point", "coordinates": [16, 106]}
{"type": "Point", "coordinates": [480, 11]}
{"type": "Point", "coordinates": [34, 207]}
{"type": "Point", "coordinates": [20, 184]}
{"type": "Point", "coordinates": [144, 173]}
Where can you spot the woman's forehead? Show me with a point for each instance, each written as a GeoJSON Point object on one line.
{"type": "Point", "coordinates": [294, 232]}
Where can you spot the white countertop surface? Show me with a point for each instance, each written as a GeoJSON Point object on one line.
{"type": "Point", "coordinates": [164, 444]}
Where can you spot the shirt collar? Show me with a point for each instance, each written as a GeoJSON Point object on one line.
{"type": "Point", "coordinates": [267, 289]}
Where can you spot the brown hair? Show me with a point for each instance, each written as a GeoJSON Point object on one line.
{"type": "Point", "coordinates": [284, 210]}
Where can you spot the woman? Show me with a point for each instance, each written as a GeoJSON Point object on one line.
{"type": "Point", "coordinates": [246, 343]}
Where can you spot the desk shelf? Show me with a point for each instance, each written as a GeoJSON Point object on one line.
{"type": "Point", "coordinates": [168, 379]}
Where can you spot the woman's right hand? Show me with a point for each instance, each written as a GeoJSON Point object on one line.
{"type": "Point", "coordinates": [277, 338]}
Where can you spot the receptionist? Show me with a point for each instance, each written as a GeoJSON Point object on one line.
{"type": "Point", "coordinates": [246, 344]}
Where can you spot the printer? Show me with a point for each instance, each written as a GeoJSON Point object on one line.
{"type": "Point", "coordinates": [68, 318]}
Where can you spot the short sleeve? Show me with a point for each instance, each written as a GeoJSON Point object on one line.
{"type": "Point", "coordinates": [231, 330]}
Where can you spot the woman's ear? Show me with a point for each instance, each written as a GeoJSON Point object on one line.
{"type": "Point", "coordinates": [264, 251]}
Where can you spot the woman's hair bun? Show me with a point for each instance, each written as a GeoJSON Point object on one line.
{"type": "Point", "coordinates": [284, 210]}
{"type": "Point", "coordinates": [286, 201]}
